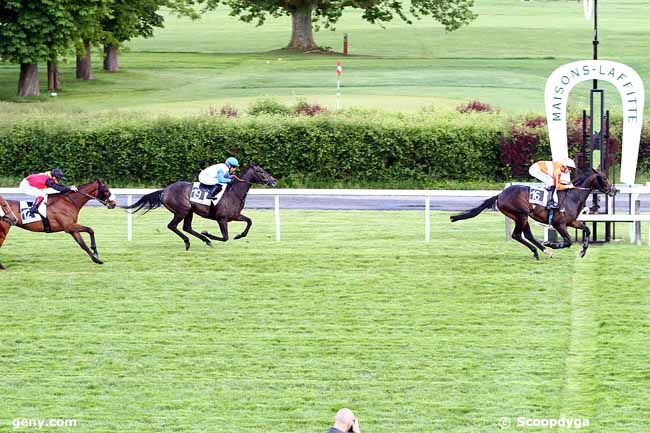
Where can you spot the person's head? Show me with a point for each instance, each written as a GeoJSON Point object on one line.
{"type": "Point", "coordinates": [344, 420]}
{"type": "Point", "coordinates": [57, 175]}
{"type": "Point", "coordinates": [567, 165]}
{"type": "Point", "coordinates": [232, 164]}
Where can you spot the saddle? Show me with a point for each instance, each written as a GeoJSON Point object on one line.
{"type": "Point", "coordinates": [40, 215]}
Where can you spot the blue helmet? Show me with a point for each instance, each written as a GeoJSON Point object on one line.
{"type": "Point", "coordinates": [232, 162]}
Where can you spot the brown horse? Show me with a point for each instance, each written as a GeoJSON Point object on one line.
{"type": "Point", "coordinates": [7, 214]}
{"type": "Point", "coordinates": [513, 203]}
{"type": "Point", "coordinates": [176, 198]}
{"type": "Point", "coordinates": [63, 212]}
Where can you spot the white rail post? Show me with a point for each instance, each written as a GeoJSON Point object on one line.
{"type": "Point", "coordinates": [633, 210]}
{"type": "Point", "coordinates": [427, 218]}
{"type": "Point", "coordinates": [277, 217]}
{"type": "Point", "coordinates": [129, 218]}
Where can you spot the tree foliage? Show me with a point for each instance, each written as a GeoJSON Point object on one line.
{"type": "Point", "coordinates": [452, 14]}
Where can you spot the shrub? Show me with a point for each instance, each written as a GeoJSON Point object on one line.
{"type": "Point", "coordinates": [304, 108]}
{"type": "Point", "coordinates": [475, 106]}
{"type": "Point", "coordinates": [268, 106]}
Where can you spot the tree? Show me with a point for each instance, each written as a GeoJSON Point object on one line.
{"type": "Point", "coordinates": [33, 31]}
{"type": "Point", "coordinates": [132, 18]}
{"type": "Point", "coordinates": [452, 14]}
{"type": "Point", "coordinates": [89, 26]}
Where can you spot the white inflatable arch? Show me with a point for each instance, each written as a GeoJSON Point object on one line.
{"type": "Point", "coordinates": [629, 85]}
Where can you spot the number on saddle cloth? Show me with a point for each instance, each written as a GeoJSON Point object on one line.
{"type": "Point", "coordinates": [26, 218]}
{"type": "Point", "coordinates": [201, 192]}
{"type": "Point", "coordinates": [539, 196]}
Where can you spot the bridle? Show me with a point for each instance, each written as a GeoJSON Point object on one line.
{"type": "Point", "coordinates": [96, 196]}
{"type": "Point", "coordinates": [4, 207]}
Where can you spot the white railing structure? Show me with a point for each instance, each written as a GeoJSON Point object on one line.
{"type": "Point", "coordinates": [631, 216]}
{"type": "Point", "coordinates": [426, 196]}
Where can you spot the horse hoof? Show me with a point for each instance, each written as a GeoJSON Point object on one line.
{"type": "Point", "coordinates": [238, 237]}
{"type": "Point", "coordinates": [2, 266]}
{"type": "Point", "coordinates": [208, 244]}
{"type": "Point", "coordinates": [97, 260]}
{"type": "Point", "coordinates": [582, 253]}
{"type": "Point", "coordinates": [549, 254]}
{"type": "Point", "coordinates": [187, 246]}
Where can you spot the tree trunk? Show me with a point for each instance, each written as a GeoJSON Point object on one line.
{"type": "Point", "coordinates": [28, 84]}
{"type": "Point", "coordinates": [53, 78]}
{"type": "Point", "coordinates": [302, 34]}
{"type": "Point", "coordinates": [110, 57]}
{"type": "Point", "coordinates": [84, 65]}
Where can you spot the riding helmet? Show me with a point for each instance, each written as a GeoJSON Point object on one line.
{"type": "Point", "coordinates": [58, 173]}
{"type": "Point", "coordinates": [232, 162]}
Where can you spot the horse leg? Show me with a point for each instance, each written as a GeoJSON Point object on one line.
{"type": "Point", "coordinates": [77, 237]}
{"type": "Point", "coordinates": [520, 223]}
{"type": "Point", "coordinates": [529, 236]}
{"type": "Point", "coordinates": [187, 227]}
{"type": "Point", "coordinates": [91, 233]}
{"type": "Point", "coordinates": [248, 222]}
{"type": "Point", "coordinates": [566, 238]}
{"type": "Point", "coordinates": [585, 235]}
{"type": "Point", "coordinates": [223, 226]}
{"type": "Point", "coordinates": [3, 235]}
{"type": "Point", "coordinates": [173, 226]}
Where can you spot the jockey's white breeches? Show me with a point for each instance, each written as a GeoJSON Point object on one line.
{"type": "Point", "coordinates": [205, 179]}
{"type": "Point", "coordinates": [26, 188]}
{"type": "Point", "coordinates": [537, 173]}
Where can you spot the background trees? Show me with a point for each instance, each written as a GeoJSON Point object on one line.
{"type": "Point", "coordinates": [450, 13]}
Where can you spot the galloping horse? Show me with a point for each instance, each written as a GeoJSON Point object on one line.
{"type": "Point", "coordinates": [513, 203]}
{"type": "Point", "coordinates": [63, 212]}
{"type": "Point", "coordinates": [176, 198]}
{"type": "Point", "coordinates": [7, 214]}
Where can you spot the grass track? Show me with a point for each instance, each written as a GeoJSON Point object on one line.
{"type": "Point", "coordinates": [351, 308]}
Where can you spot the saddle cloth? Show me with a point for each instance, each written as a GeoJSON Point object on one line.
{"type": "Point", "coordinates": [2, 213]}
{"type": "Point", "coordinates": [200, 193]}
{"type": "Point", "coordinates": [26, 218]}
{"type": "Point", "coordinates": [539, 196]}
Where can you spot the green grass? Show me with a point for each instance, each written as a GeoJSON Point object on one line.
{"type": "Point", "coordinates": [349, 309]}
{"type": "Point", "coordinates": [502, 58]}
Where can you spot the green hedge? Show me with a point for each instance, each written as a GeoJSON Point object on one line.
{"type": "Point", "coordinates": [349, 146]}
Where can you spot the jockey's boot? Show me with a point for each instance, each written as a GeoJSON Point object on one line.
{"type": "Point", "coordinates": [35, 205]}
{"type": "Point", "coordinates": [214, 192]}
{"type": "Point", "coordinates": [552, 204]}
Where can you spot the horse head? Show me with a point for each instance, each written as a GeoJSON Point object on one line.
{"type": "Point", "coordinates": [6, 214]}
{"type": "Point", "coordinates": [259, 175]}
{"type": "Point", "coordinates": [598, 181]}
{"type": "Point", "coordinates": [98, 190]}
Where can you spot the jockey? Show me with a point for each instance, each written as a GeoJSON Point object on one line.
{"type": "Point", "coordinates": [40, 184]}
{"type": "Point", "coordinates": [556, 175]}
{"type": "Point", "coordinates": [218, 175]}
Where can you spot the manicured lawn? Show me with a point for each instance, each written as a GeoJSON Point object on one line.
{"type": "Point", "coordinates": [349, 309]}
{"type": "Point", "coordinates": [503, 58]}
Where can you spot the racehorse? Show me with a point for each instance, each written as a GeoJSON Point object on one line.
{"type": "Point", "coordinates": [513, 203]}
{"type": "Point", "coordinates": [6, 213]}
{"type": "Point", "coordinates": [176, 198]}
{"type": "Point", "coordinates": [63, 212]}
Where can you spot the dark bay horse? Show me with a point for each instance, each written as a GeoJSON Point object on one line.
{"type": "Point", "coordinates": [63, 212]}
{"type": "Point", "coordinates": [513, 203]}
{"type": "Point", "coordinates": [176, 198]}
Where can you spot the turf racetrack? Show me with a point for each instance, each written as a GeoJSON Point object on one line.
{"type": "Point", "coordinates": [349, 309]}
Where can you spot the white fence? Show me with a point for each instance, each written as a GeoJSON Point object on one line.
{"type": "Point", "coordinates": [425, 195]}
{"type": "Point", "coordinates": [632, 216]}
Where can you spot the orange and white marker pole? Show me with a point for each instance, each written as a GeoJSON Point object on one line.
{"type": "Point", "coordinates": [339, 72]}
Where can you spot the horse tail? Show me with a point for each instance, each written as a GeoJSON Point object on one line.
{"type": "Point", "coordinates": [149, 201]}
{"type": "Point", "coordinates": [475, 211]}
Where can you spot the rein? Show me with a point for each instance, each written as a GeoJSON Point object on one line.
{"type": "Point", "coordinates": [5, 207]}
{"type": "Point", "coordinates": [93, 198]}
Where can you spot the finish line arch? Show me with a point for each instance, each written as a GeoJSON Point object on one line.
{"type": "Point", "coordinates": [629, 85]}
